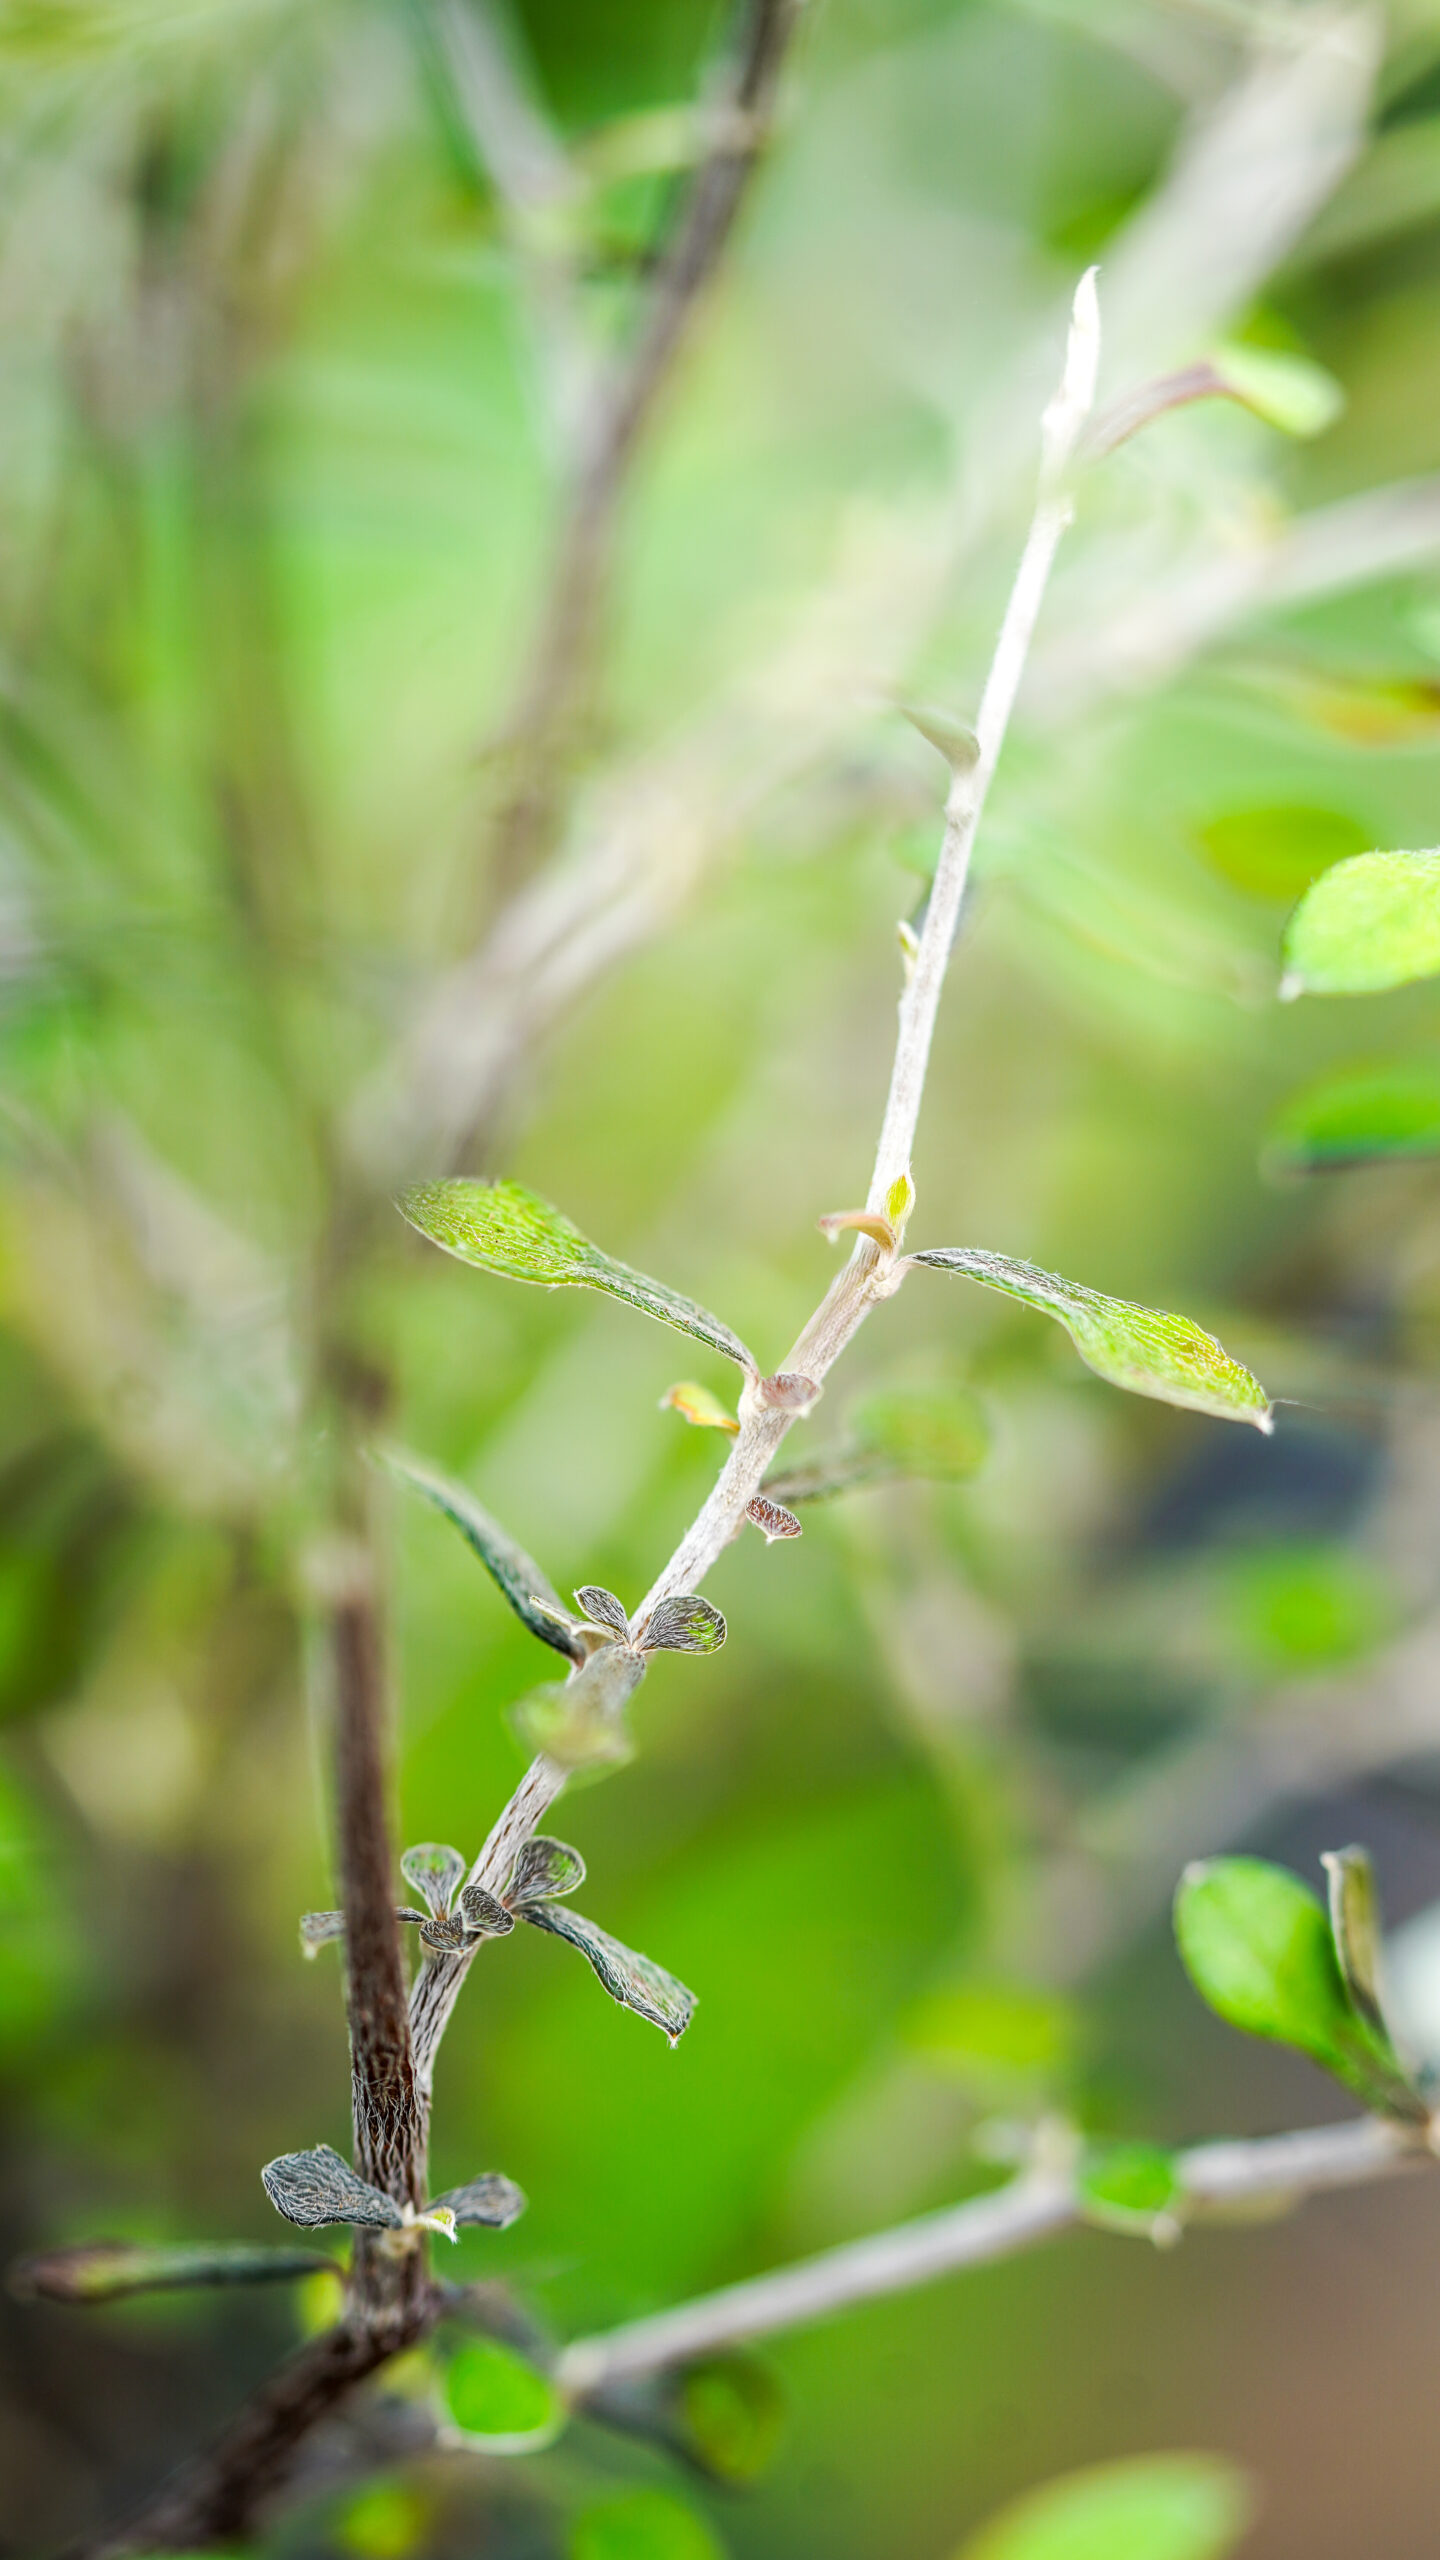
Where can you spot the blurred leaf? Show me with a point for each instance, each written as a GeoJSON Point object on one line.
{"type": "Point", "coordinates": [491, 2201]}
{"type": "Point", "coordinates": [1132, 2186]}
{"type": "Point", "coordinates": [729, 2415]}
{"type": "Point", "coordinates": [1355, 1928]}
{"type": "Point", "coordinates": [318, 1928]}
{"type": "Point", "coordinates": [104, 2270]}
{"type": "Point", "coordinates": [686, 1624]}
{"type": "Point", "coordinates": [1276, 853]}
{"type": "Point", "coordinates": [938, 1433]}
{"type": "Point", "coordinates": [1139, 1348]}
{"type": "Point", "coordinates": [1257, 1946]}
{"type": "Point", "coordinates": [491, 2392]}
{"type": "Point", "coordinates": [579, 1724]}
{"type": "Point", "coordinates": [1371, 923]}
{"type": "Point", "coordinates": [383, 2521]}
{"type": "Point", "coordinates": [1362, 1116]}
{"type": "Point", "coordinates": [1303, 1608]}
{"type": "Point", "coordinates": [544, 1868]}
{"type": "Point", "coordinates": [1165, 2506]}
{"type": "Point", "coordinates": [629, 1978]}
{"type": "Point", "coordinates": [646, 2524]}
{"type": "Point", "coordinates": [941, 729]}
{"type": "Point", "coordinates": [501, 1227]}
{"type": "Point", "coordinates": [434, 1870]}
{"type": "Point", "coordinates": [1287, 391]}
{"type": "Point", "coordinates": [994, 2031]}
{"type": "Point", "coordinates": [535, 1603]}
{"type": "Point", "coordinates": [698, 1406]}
{"type": "Point", "coordinates": [318, 2187]}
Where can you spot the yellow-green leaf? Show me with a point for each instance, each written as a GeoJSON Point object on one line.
{"type": "Point", "coordinates": [1287, 391]}
{"type": "Point", "coordinates": [502, 1227]}
{"type": "Point", "coordinates": [1139, 1348]}
{"type": "Point", "coordinates": [645, 2524]}
{"type": "Point", "coordinates": [1368, 924]}
{"type": "Point", "coordinates": [495, 2396]}
{"type": "Point", "coordinates": [1275, 853]}
{"type": "Point", "coordinates": [698, 1406]}
{"type": "Point", "coordinates": [1165, 2506]}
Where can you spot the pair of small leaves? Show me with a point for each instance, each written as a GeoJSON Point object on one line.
{"type": "Point", "coordinates": [1141, 1349]}
{"type": "Point", "coordinates": [1268, 1958]}
{"type": "Point", "coordinates": [502, 1227]}
{"type": "Point", "coordinates": [317, 2188]}
{"type": "Point", "coordinates": [544, 1872]}
{"type": "Point", "coordinates": [108, 2270]}
{"type": "Point", "coordinates": [445, 1927]}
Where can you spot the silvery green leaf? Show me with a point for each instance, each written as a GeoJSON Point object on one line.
{"type": "Point", "coordinates": [318, 2187]}
{"type": "Point", "coordinates": [484, 1917]}
{"type": "Point", "coordinates": [601, 1606]}
{"type": "Point", "coordinates": [500, 1226]}
{"type": "Point", "coordinates": [1366, 924]}
{"type": "Point", "coordinates": [1139, 1348]}
{"type": "Point", "coordinates": [434, 1870]}
{"type": "Point", "coordinates": [317, 1928]}
{"type": "Point", "coordinates": [544, 1869]}
{"type": "Point", "coordinates": [446, 1934]}
{"type": "Point", "coordinates": [579, 1725]}
{"type": "Point", "coordinates": [491, 2200]}
{"type": "Point", "coordinates": [407, 1911]}
{"type": "Point", "coordinates": [516, 1574]}
{"type": "Point", "coordinates": [106, 2270]}
{"type": "Point", "coordinates": [772, 1519]}
{"type": "Point", "coordinates": [629, 1978]}
{"type": "Point", "coordinates": [686, 1624]}
{"type": "Point", "coordinates": [1355, 1928]}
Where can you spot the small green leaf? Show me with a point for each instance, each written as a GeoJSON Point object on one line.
{"type": "Point", "coordinates": [1303, 1608]}
{"type": "Point", "coordinates": [1133, 2186]}
{"type": "Point", "coordinates": [1275, 853]}
{"type": "Point", "coordinates": [517, 1575]}
{"type": "Point", "coordinates": [994, 2032]}
{"type": "Point", "coordinates": [1369, 924]}
{"type": "Point", "coordinates": [1257, 1946]}
{"type": "Point", "coordinates": [1165, 2506]}
{"type": "Point", "coordinates": [942, 730]}
{"type": "Point", "coordinates": [729, 2414]}
{"type": "Point", "coordinates": [938, 1433]}
{"type": "Point", "coordinates": [499, 1226]}
{"type": "Point", "coordinates": [1355, 1928]}
{"type": "Point", "coordinates": [698, 1406]}
{"type": "Point", "coordinates": [646, 2524]}
{"type": "Point", "coordinates": [1287, 391]}
{"type": "Point", "coordinates": [631, 1979]}
{"type": "Point", "coordinates": [494, 2395]}
{"type": "Point", "coordinates": [317, 2187]}
{"type": "Point", "coordinates": [544, 1869]}
{"type": "Point", "coordinates": [1139, 1348]}
{"type": "Point", "coordinates": [106, 2270]}
{"type": "Point", "coordinates": [434, 1870]}
{"type": "Point", "coordinates": [1367, 1115]}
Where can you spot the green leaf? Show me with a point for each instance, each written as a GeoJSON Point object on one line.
{"type": "Point", "coordinates": [729, 2414]}
{"type": "Point", "coordinates": [1139, 1348]}
{"type": "Point", "coordinates": [1133, 2186]}
{"type": "Point", "coordinates": [1303, 1608]}
{"type": "Point", "coordinates": [698, 1406]}
{"type": "Point", "coordinates": [1287, 391]}
{"type": "Point", "coordinates": [384, 2521]}
{"type": "Point", "coordinates": [684, 1624]}
{"type": "Point", "coordinates": [579, 1724]}
{"type": "Point", "coordinates": [493, 2394]}
{"type": "Point", "coordinates": [629, 1978]}
{"type": "Point", "coordinates": [1370, 923]}
{"type": "Point", "coordinates": [1257, 1945]}
{"type": "Point", "coordinates": [434, 1869]}
{"type": "Point", "coordinates": [994, 2032]}
{"type": "Point", "coordinates": [1275, 853]}
{"type": "Point", "coordinates": [317, 2187]}
{"type": "Point", "coordinates": [543, 1870]}
{"type": "Point", "coordinates": [647, 2524]}
{"type": "Point", "coordinates": [499, 1226]}
{"type": "Point", "coordinates": [1355, 1928]}
{"type": "Point", "coordinates": [517, 1575]}
{"type": "Point", "coordinates": [950, 736]}
{"type": "Point", "coordinates": [1367, 1115]}
{"type": "Point", "coordinates": [1165, 2506]}
{"type": "Point", "coordinates": [106, 2270]}
{"type": "Point", "coordinates": [938, 1433]}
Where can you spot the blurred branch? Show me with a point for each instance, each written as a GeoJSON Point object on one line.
{"type": "Point", "coordinates": [1218, 2175]}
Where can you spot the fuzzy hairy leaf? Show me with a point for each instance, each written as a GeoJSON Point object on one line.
{"type": "Point", "coordinates": [1163, 2506]}
{"type": "Point", "coordinates": [516, 1574]}
{"type": "Point", "coordinates": [772, 1519]}
{"type": "Point", "coordinates": [446, 1934]}
{"type": "Point", "coordinates": [1388, 1114]}
{"type": "Point", "coordinates": [686, 1624]}
{"type": "Point", "coordinates": [543, 1870]}
{"type": "Point", "coordinates": [316, 2187]}
{"type": "Point", "coordinates": [106, 2270]}
{"type": "Point", "coordinates": [629, 1978]}
{"type": "Point", "coordinates": [434, 1869]}
{"type": "Point", "coordinates": [1139, 1348]}
{"type": "Point", "coordinates": [502, 1227]}
{"type": "Point", "coordinates": [491, 2201]}
{"type": "Point", "coordinates": [1370, 923]}
{"type": "Point", "coordinates": [483, 1916]}
{"type": "Point", "coordinates": [603, 1609]}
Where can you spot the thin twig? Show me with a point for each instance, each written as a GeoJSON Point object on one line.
{"type": "Point", "coordinates": [1217, 2175]}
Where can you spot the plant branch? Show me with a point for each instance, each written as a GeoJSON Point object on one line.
{"type": "Point", "coordinates": [1215, 2175]}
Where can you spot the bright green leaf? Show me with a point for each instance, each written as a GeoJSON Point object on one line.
{"type": "Point", "coordinates": [1370, 923]}
{"type": "Point", "coordinates": [500, 1226]}
{"type": "Point", "coordinates": [1366, 1115]}
{"type": "Point", "coordinates": [1276, 853]}
{"type": "Point", "coordinates": [383, 2521]}
{"type": "Point", "coordinates": [729, 2414]}
{"type": "Point", "coordinates": [1132, 2186]}
{"type": "Point", "coordinates": [648, 2524]}
{"type": "Point", "coordinates": [1139, 1348]}
{"type": "Point", "coordinates": [491, 2392]}
{"type": "Point", "coordinates": [1165, 2506]}
{"type": "Point", "coordinates": [994, 2031]}
{"type": "Point", "coordinates": [1287, 391]}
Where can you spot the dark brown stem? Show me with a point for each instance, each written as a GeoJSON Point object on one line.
{"type": "Point", "coordinates": [565, 651]}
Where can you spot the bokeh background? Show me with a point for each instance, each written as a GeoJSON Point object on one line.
{"type": "Point", "coordinates": [301, 321]}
